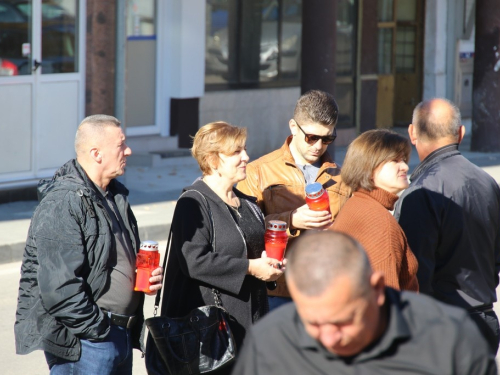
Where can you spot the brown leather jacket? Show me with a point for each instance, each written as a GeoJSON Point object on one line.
{"type": "Point", "coordinates": [279, 185]}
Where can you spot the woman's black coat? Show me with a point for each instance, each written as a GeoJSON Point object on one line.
{"type": "Point", "coordinates": [193, 269]}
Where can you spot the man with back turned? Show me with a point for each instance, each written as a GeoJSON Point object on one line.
{"type": "Point", "coordinates": [451, 217]}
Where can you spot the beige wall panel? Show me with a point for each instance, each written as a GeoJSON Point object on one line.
{"type": "Point", "coordinates": [15, 128]}
{"type": "Point", "coordinates": [140, 83]}
{"type": "Point", "coordinates": [58, 120]}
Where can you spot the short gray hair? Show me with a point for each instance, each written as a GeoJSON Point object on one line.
{"type": "Point", "coordinates": [436, 118]}
{"type": "Point", "coordinates": [317, 258]}
{"type": "Point", "coordinates": [90, 128]}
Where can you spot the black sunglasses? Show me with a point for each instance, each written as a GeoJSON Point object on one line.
{"type": "Point", "coordinates": [312, 138]}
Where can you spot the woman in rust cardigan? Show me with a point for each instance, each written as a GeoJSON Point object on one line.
{"type": "Point", "coordinates": [375, 168]}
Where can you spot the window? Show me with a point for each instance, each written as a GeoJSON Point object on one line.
{"type": "Point", "coordinates": [253, 43]}
{"type": "Point", "coordinates": [345, 59]}
{"type": "Point", "coordinates": [257, 43]}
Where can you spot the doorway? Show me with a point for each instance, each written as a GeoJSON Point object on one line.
{"type": "Point", "coordinates": [41, 86]}
{"type": "Point", "coordinates": [400, 36]}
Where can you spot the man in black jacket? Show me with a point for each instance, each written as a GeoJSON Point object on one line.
{"type": "Point", "coordinates": [345, 321]}
{"type": "Point", "coordinates": [451, 217]}
{"type": "Point", "coordinates": [76, 299]}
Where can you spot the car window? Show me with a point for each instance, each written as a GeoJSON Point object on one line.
{"type": "Point", "coordinates": [10, 14]}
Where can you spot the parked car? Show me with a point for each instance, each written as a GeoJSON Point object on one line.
{"type": "Point", "coordinates": [8, 68]}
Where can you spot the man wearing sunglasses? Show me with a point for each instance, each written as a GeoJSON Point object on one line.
{"type": "Point", "coordinates": [278, 179]}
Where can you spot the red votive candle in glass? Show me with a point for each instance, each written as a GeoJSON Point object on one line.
{"type": "Point", "coordinates": [148, 259]}
{"type": "Point", "coordinates": [275, 239]}
{"type": "Point", "coordinates": [317, 197]}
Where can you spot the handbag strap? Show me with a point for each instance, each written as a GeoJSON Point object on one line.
{"type": "Point", "coordinates": [215, 292]}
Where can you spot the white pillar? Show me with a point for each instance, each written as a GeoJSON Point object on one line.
{"type": "Point", "coordinates": [435, 47]}
{"type": "Point", "coordinates": [185, 49]}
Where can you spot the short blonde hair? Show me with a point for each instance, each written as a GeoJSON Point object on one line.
{"type": "Point", "coordinates": [213, 139]}
{"type": "Point", "coordinates": [367, 152]}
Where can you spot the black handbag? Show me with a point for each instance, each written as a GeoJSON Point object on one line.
{"type": "Point", "coordinates": [198, 343]}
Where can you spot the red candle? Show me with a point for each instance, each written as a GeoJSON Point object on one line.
{"type": "Point", "coordinates": [317, 197]}
{"type": "Point", "coordinates": [275, 239]}
{"type": "Point", "coordinates": [148, 259]}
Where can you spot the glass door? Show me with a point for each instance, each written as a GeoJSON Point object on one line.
{"type": "Point", "coordinates": [41, 85]}
{"type": "Point", "coordinates": [16, 87]}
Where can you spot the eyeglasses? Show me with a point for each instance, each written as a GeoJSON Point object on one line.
{"type": "Point", "coordinates": [313, 138]}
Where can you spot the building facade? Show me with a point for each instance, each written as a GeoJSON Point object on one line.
{"type": "Point", "coordinates": [165, 67]}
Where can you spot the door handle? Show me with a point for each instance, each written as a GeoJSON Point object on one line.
{"type": "Point", "coordinates": [36, 65]}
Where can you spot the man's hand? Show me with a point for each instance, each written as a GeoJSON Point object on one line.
{"type": "Point", "coordinates": [156, 281]}
{"type": "Point", "coordinates": [305, 218]}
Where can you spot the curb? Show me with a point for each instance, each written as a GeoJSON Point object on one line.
{"type": "Point", "coordinates": [10, 253]}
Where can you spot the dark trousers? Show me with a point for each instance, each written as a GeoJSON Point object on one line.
{"type": "Point", "coordinates": [487, 321]}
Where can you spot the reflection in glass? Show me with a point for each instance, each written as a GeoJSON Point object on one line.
{"type": "Point", "coordinates": [385, 51]}
{"type": "Point", "coordinates": [291, 42]}
{"type": "Point", "coordinates": [15, 38]}
{"type": "Point", "coordinates": [268, 58]}
{"type": "Point", "coordinates": [405, 49]}
{"type": "Point", "coordinates": [344, 96]}
{"type": "Point", "coordinates": [279, 45]}
{"type": "Point", "coordinates": [385, 10]}
{"type": "Point", "coordinates": [407, 10]}
{"type": "Point", "coordinates": [346, 42]}
{"type": "Point", "coordinates": [141, 18]}
{"type": "Point", "coordinates": [59, 33]}
{"type": "Point", "coordinates": [217, 50]}
{"type": "Point", "coordinates": [345, 61]}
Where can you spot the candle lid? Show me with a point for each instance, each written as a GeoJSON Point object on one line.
{"type": "Point", "coordinates": [276, 225]}
{"type": "Point", "coordinates": [314, 190]}
{"type": "Point", "coordinates": [149, 245]}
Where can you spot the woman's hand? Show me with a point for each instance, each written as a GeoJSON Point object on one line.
{"type": "Point", "coordinates": [265, 269]}
{"type": "Point", "coordinates": [156, 281]}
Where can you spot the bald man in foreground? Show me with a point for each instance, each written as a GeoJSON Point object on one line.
{"type": "Point", "coordinates": [76, 297]}
{"type": "Point", "coordinates": [451, 217]}
{"type": "Point", "coordinates": [345, 321]}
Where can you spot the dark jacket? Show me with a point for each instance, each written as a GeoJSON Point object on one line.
{"type": "Point", "coordinates": [193, 269]}
{"type": "Point", "coordinates": [64, 269]}
{"type": "Point", "coordinates": [422, 336]}
{"type": "Point", "coordinates": [451, 217]}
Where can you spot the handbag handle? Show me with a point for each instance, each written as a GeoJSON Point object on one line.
{"type": "Point", "coordinates": [215, 292]}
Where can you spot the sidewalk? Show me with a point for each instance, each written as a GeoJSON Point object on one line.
{"type": "Point", "coordinates": [154, 190]}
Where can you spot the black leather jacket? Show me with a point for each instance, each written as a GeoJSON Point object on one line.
{"type": "Point", "coordinates": [64, 268]}
{"type": "Point", "coordinates": [451, 217]}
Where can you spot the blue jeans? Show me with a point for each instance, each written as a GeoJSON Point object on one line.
{"type": "Point", "coordinates": [275, 302]}
{"type": "Point", "coordinates": [113, 356]}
